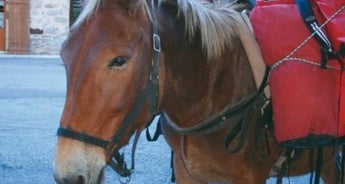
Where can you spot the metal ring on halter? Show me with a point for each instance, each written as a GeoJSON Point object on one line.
{"type": "Point", "coordinates": [156, 43]}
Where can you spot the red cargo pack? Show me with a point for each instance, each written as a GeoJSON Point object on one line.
{"type": "Point", "coordinates": [308, 101]}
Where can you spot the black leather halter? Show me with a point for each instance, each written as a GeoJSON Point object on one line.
{"type": "Point", "coordinates": [151, 91]}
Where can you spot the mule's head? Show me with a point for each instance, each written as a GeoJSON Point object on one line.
{"type": "Point", "coordinates": [107, 57]}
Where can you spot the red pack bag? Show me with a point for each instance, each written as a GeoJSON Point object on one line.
{"type": "Point", "coordinates": [308, 102]}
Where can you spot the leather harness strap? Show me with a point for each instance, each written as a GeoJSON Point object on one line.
{"type": "Point", "coordinates": [218, 121]}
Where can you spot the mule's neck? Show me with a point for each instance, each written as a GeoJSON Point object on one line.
{"type": "Point", "coordinates": [196, 88]}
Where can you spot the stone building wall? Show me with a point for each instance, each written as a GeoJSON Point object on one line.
{"type": "Point", "coordinates": [49, 25]}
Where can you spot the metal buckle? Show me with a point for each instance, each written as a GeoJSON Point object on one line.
{"type": "Point", "coordinates": [156, 43]}
{"type": "Point", "coordinates": [154, 78]}
{"type": "Point", "coordinates": [112, 147]}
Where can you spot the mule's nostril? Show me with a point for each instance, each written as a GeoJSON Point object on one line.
{"type": "Point", "coordinates": [81, 180]}
{"type": "Point", "coordinates": [71, 180]}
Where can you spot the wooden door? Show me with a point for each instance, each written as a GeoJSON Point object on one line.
{"type": "Point", "coordinates": [2, 25]}
{"type": "Point", "coordinates": [18, 26]}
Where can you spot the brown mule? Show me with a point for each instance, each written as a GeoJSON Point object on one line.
{"type": "Point", "coordinates": [203, 68]}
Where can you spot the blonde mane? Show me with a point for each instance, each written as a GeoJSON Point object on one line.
{"type": "Point", "coordinates": [216, 22]}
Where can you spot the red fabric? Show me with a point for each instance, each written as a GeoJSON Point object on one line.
{"type": "Point", "coordinates": [336, 27]}
{"type": "Point", "coordinates": [306, 99]}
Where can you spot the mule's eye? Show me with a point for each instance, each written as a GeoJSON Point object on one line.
{"type": "Point", "coordinates": [117, 62]}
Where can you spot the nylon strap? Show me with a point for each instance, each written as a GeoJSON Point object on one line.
{"type": "Point", "coordinates": [81, 137]}
{"type": "Point", "coordinates": [310, 21]}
